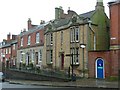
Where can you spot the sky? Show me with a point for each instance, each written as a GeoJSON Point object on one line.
{"type": "Point", "coordinates": [15, 13]}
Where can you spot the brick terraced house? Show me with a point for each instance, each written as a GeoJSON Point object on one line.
{"type": "Point", "coordinates": [30, 46]}
{"type": "Point", "coordinates": [9, 50]}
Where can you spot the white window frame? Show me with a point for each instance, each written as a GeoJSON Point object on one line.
{"type": "Point", "coordinates": [51, 38]}
{"type": "Point", "coordinates": [37, 37]}
{"type": "Point", "coordinates": [6, 51]}
{"type": "Point", "coordinates": [74, 34]}
{"type": "Point", "coordinates": [21, 56]}
{"type": "Point", "coordinates": [40, 56]}
{"type": "Point", "coordinates": [32, 56]}
{"type": "Point", "coordinates": [77, 32]}
{"type": "Point", "coordinates": [21, 42]}
{"type": "Point", "coordinates": [75, 57]}
{"type": "Point", "coordinates": [51, 56]}
{"type": "Point", "coordinates": [29, 40]}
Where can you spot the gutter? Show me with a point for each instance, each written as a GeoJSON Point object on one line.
{"type": "Point", "coordinates": [89, 24]}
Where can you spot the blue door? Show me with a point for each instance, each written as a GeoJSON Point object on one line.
{"type": "Point", "coordinates": [100, 68]}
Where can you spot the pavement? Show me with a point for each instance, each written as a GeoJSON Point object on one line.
{"type": "Point", "coordinates": [78, 83]}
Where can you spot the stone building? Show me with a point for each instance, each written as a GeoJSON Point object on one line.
{"type": "Point", "coordinates": [70, 36]}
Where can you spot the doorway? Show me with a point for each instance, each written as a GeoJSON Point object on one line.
{"type": "Point", "coordinates": [62, 61]}
{"type": "Point", "coordinates": [100, 68]}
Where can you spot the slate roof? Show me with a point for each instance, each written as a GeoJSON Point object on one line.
{"type": "Point", "coordinates": [61, 22]}
{"type": "Point", "coordinates": [87, 14]}
{"type": "Point", "coordinates": [36, 28]}
{"type": "Point", "coordinates": [9, 43]}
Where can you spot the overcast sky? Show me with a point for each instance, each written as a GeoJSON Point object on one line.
{"type": "Point", "coordinates": [15, 13]}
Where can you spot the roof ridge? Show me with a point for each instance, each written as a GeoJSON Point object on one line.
{"type": "Point", "coordinates": [88, 12]}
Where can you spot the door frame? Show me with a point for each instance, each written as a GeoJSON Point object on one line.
{"type": "Point", "coordinates": [103, 67]}
{"type": "Point", "coordinates": [62, 61]}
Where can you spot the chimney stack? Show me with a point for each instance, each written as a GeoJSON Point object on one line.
{"type": "Point", "coordinates": [8, 37]}
{"type": "Point", "coordinates": [29, 23]}
{"type": "Point", "coordinates": [59, 12]}
{"type": "Point", "coordinates": [42, 22]}
{"type": "Point", "coordinates": [14, 37]}
{"type": "Point", "coordinates": [99, 5]}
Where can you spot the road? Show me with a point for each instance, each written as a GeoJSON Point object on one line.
{"type": "Point", "coordinates": [7, 86]}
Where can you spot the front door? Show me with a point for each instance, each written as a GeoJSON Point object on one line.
{"type": "Point", "coordinates": [100, 68]}
{"type": "Point", "coordinates": [62, 61]}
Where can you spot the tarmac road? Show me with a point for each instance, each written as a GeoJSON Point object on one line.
{"type": "Point", "coordinates": [8, 86]}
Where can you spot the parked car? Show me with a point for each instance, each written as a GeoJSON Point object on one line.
{"type": "Point", "coordinates": [2, 77]}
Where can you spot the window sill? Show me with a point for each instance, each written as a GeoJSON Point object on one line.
{"type": "Point", "coordinates": [49, 63]}
{"type": "Point", "coordinates": [37, 42]}
{"type": "Point", "coordinates": [75, 64]}
{"type": "Point", "coordinates": [28, 44]}
{"type": "Point", "coordinates": [74, 42]}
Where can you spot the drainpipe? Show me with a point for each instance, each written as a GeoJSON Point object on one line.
{"type": "Point", "coordinates": [93, 33]}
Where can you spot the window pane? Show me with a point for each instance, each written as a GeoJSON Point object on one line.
{"type": "Point", "coordinates": [21, 41]}
{"type": "Point", "coordinates": [51, 53]}
{"type": "Point", "coordinates": [74, 34]}
{"type": "Point", "coordinates": [71, 33]}
{"type": "Point", "coordinates": [77, 34]}
{"type": "Point", "coordinates": [77, 54]}
{"type": "Point", "coordinates": [36, 57]}
{"type": "Point", "coordinates": [37, 37]}
{"type": "Point", "coordinates": [51, 38]}
{"type": "Point", "coordinates": [29, 40]}
{"type": "Point", "coordinates": [40, 55]}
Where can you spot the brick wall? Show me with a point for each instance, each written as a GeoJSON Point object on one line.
{"type": "Point", "coordinates": [105, 55]}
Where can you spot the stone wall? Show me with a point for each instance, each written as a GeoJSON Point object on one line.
{"type": "Point", "coordinates": [15, 74]}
